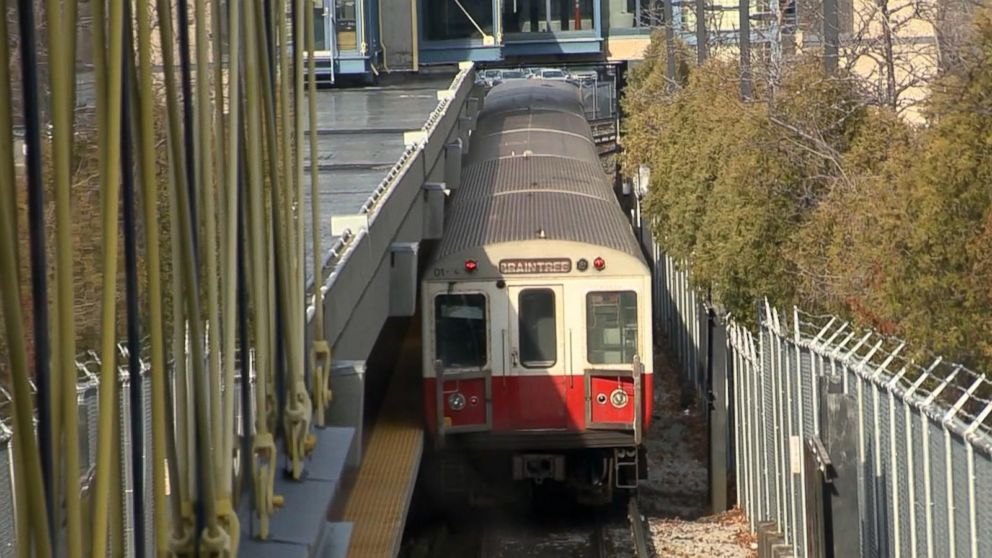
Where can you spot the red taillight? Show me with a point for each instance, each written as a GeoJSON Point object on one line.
{"type": "Point", "coordinates": [470, 265]}
{"type": "Point", "coordinates": [599, 264]}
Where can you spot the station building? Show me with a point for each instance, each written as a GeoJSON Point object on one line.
{"type": "Point", "coordinates": [369, 37]}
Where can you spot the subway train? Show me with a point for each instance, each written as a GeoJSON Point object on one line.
{"type": "Point", "coordinates": [536, 308]}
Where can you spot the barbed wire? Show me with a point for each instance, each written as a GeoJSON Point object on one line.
{"type": "Point", "coordinates": [949, 393]}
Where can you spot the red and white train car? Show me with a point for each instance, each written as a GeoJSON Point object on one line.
{"type": "Point", "coordinates": [537, 304]}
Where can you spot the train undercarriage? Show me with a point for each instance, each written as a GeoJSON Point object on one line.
{"type": "Point", "coordinates": [459, 476]}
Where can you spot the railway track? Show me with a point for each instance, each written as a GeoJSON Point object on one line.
{"type": "Point", "coordinates": [596, 535]}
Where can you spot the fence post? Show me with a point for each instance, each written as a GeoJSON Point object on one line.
{"type": "Point", "coordinates": [719, 399]}
{"type": "Point", "coordinates": [840, 438]}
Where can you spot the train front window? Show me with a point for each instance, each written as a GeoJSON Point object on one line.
{"type": "Point", "coordinates": [611, 327]}
{"type": "Point", "coordinates": [460, 329]}
{"type": "Point", "coordinates": [537, 328]}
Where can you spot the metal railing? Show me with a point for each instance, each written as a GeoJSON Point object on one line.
{"type": "Point", "coordinates": [837, 437]}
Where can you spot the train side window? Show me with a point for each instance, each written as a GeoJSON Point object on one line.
{"type": "Point", "coordinates": [611, 327]}
{"type": "Point", "coordinates": [460, 330]}
{"type": "Point", "coordinates": [537, 328]}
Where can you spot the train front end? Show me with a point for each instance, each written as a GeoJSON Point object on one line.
{"type": "Point", "coordinates": [537, 354]}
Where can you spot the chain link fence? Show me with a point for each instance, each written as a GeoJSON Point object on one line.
{"type": "Point", "coordinates": [840, 441]}
{"type": "Point", "coordinates": [88, 399]}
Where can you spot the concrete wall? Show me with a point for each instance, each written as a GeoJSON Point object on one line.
{"type": "Point", "coordinates": [397, 34]}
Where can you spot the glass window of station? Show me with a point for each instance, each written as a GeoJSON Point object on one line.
{"type": "Point", "coordinates": [460, 330]}
{"type": "Point", "coordinates": [457, 19]}
{"type": "Point", "coordinates": [635, 15]}
{"type": "Point", "coordinates": [521, 18]}
{"type": "Point", "coordinates": [611, 327]}
{"type": "Point", "coordinates": [537, 328]}
{"type": "Point", "coordinates": [346, 25]}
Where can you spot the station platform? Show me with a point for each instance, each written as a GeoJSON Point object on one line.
{"type": "Point", "coordinates": [380, 499]}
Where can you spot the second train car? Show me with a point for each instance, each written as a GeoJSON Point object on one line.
{"type": "Point", "coordinates": [537, 304]}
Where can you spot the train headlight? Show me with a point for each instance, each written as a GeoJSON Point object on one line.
{"type": "Point", "coordinates": [599, 264]}
{"type": "Point", "coordinates": [456, 401]}
{"type": "Point", "coordinates": [471, 265]}
{"type": "Point", "coordinates": [619, 398]}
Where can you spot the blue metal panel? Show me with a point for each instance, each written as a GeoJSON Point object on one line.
{"type": "Point", "coordinates": [352, 65]}
{"type": "Point", "coordinates": [588, 45]}
{"type": "Point", "coordinates": [335, 542]}
{"type": "Point", "coordinates": [443, 53]}
{"type": "Point", "coordinates": [297, 528]}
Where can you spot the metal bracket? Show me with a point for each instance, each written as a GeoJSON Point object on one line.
{"type": "Point", "coordinates": [320, 391]}
{"type": "Point", "coordinates": [822, 458]}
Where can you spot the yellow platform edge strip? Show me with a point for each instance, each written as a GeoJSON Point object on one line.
{"type": "Point", "coordinates": [380, 499]}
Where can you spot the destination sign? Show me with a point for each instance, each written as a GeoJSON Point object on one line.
{"type": "Point", "coordinates": [539, 265]}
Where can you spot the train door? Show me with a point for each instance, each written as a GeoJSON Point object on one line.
{"type": "Point", "coordinates": [536, 388]}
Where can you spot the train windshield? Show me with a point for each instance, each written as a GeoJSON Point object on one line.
{"type": "Point", "coordinates": [537, 328]}
{"type": "Point", "coordinates": [611, 326]}
{"type": "Point", "coordinates": [460, 330]}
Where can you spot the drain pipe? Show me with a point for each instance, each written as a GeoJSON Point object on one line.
{"type": "Point", "coordinates": [414, 38]}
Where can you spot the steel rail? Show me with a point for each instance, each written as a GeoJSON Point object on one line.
{"type": "Point", "coordinates": [638, 529]}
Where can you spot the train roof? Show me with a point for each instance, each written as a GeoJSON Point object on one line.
{"type": "Point", "coordinates": [533, 168]}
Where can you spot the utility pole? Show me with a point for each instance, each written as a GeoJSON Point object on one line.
{"type": "Point", "coordinates": [745, 47]}
{"type": "Point", "coordinates": [669, 43]}
{"type": "Point", "coordinates": [701, 31]}
{"type": "Point", "coordinates": [830, 36]}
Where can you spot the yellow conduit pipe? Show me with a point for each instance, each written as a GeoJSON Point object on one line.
{"type": "Point", "coordinates": [300, 271]}
{"type": "Point", "coordinates": [208, 240]}
{"type": "Point", "coordinates": [230, 238]}
{"type": "Point", "coordinates": [108, 81]}
{"type": "Point", "coordinates": [298, 406]}
{"type": "Point", "coordinates": [182, 508]}
{"type": "Point", "coordinates": [415, 34]}
{"type": "Point", "coordinates": [65, 415]}
{"type": "Point", "coordinates": [199, 393]}
{"type": "Point", "coordinates": [263, 447]}
{"type": "Point", "coordinates": [32, 520]}
{"type": "Point", "coordinates": [209, 409]}
{"type": "Point", "coordinates": [320, 392]}
{"type": "Point", "coordinates": [271, 143]}
{"type": "Point", "coordinates": [149, 189]}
